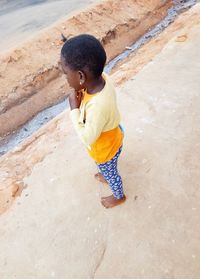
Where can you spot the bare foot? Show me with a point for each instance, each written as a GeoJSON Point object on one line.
{"type": "Point", "coordinates": [100, 178]}
{"type": "Point", "coordinates": [111, 201]}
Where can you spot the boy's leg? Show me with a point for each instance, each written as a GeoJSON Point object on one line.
{"type": "Point", "coordinates": [111, 175]}
{"type": "Point", "coordinates": [99, 175]}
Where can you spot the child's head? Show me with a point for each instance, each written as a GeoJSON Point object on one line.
{"type": "Point", "coordinates": [83, 59]}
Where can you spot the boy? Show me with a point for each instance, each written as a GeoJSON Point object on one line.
{"type": "Point", "coordinates": [94, 111]}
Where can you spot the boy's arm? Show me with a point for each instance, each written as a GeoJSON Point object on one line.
{"type": "Point", "coordinates": [91, 130]}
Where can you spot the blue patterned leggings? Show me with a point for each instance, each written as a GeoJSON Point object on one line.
{"type": "Point", "coordinates": [111, 175]}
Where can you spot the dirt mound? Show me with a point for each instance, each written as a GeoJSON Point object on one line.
{"type": "Point", "coordinates": [29, 75]}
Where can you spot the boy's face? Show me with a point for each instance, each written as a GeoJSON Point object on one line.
{"type": "Point", "coordinates": [73, 77]}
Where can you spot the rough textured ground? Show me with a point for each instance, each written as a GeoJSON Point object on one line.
{"type": "Point", "coordinates": [57, 227]}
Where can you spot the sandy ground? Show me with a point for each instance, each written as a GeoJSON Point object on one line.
{"type": "Point", "coordinates": [57, 227]}
{"type": "Point", "coordinates": [21, 19]}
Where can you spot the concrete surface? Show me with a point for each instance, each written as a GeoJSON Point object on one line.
{"type": "Point", "coordinates": [58, 229]}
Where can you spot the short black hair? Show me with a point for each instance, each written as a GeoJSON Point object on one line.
{"type": "Point", "coordinates": [84, 51]}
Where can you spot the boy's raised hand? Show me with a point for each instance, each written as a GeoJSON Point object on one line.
{"type": "Point", "coordinates": [75, 99]}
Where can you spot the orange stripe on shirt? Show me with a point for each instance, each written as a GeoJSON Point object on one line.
{"type": "Point", "coordinates": [106, 146]}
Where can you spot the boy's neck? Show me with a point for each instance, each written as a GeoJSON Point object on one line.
{"type": "Point", "coordinates": [95, 86]}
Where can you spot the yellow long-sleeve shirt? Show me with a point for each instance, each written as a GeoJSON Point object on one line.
{"type": "Point", "coordinates": [97, 123]}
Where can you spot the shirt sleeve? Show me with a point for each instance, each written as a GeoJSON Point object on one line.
{"type": "Point", "coordinates": [91, 130]}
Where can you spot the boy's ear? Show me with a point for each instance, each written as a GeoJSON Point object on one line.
{"type": "Point", "coordinates": [82, 77]}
